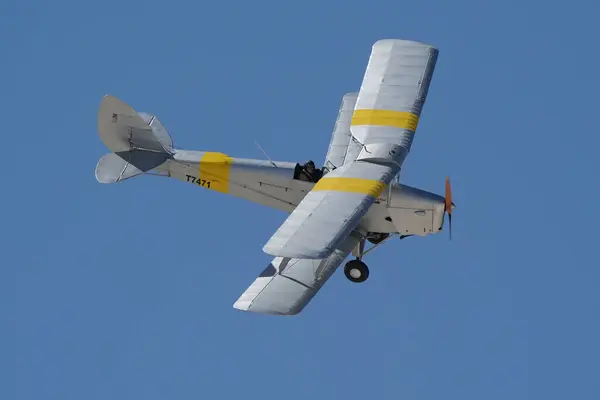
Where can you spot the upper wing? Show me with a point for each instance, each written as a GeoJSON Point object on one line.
{"type": "Point", "coordinates": [392, 95]}
{"type": "Point", "coordinates": [393, 92]}
{"type": "Point", "coordinates": [330, 211]}
{"type": "Point", "coordinates": [286, 286]}
{"type": "Point", "coordinates": [341, 136]}
{"type": "Point", "coordinates": [386, 115]}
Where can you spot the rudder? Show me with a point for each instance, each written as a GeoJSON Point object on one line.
{"type": "Point", "coordinates": [121, 128]}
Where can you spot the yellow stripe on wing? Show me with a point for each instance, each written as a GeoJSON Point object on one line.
{"type": "Point", "coordinates": [214, 171]}
{"type": "Point", "coordinates": [396, 119]}
{"type": "Point", "coordinates": [351, 185]}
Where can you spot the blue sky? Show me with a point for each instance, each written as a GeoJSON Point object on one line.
{"type": "Point", "coordinates": [126, 291]}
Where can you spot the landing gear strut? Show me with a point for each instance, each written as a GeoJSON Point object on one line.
{"type": "Point", "coordinates": [356, 270]}
{"type": "Point", "coordinates": [376, 238]}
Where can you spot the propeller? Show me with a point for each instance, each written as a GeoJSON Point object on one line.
{"type": "Point", "coordinates": [449, 205]}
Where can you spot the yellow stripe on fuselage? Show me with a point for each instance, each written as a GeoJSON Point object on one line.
{"type": "Point", "coordinates": [396, 119]}
{"type": "Point", "coordinates": [214, 171]}
{"type": "Point", "coordinates": [369, 187]}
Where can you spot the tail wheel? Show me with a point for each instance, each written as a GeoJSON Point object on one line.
{"type": "Point", "coordinates": [356, 271]}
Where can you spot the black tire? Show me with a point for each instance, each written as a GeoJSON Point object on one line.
{"type": "Point", "coordinates": [356, 271]}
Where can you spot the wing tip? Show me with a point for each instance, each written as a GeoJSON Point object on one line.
{"type": "Point", "coordinates": [401, 42]}
{"type": "Point", "coordinates": [242, 305]}
{"type": "Point", "coordinates": [246, 306]}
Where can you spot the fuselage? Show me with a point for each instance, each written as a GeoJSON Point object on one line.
{"type": "Point", "coordinates": [398, 209]}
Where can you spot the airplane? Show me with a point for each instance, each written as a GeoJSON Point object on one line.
{"type": "Point", "coordinates": [356, 197]}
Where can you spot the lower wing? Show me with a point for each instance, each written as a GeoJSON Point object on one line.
{"type": "Point", "coordinates": [287, 285]}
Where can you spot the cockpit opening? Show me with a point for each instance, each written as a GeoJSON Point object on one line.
{"type": "Point", "coordinates": [308, 172]}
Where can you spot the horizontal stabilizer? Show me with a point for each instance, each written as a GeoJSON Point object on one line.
{"type": "Point", "coordinates": [158, 130]}
{"type": "Point", "coordinates": [112, 168]}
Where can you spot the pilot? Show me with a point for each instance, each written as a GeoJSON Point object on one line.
{"type": "Point", "coordinates": [310, 172]}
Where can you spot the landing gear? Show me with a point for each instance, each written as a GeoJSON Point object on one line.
{"type": "Point", "coordinates": [356, 271]}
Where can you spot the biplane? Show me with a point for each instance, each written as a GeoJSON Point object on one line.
{"type": "Point", "coordinates": [355, 198]}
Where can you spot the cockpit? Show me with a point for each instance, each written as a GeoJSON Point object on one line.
{"type": "Point", "coordinates": [308, 172]}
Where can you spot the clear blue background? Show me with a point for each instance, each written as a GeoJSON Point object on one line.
{"type": "Point", "coordinates": [126, 291]}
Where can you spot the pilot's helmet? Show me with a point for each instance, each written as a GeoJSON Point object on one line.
{"type": "Point", "coordinates": [310, 164]}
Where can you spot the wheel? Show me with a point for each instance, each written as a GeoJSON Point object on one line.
{"type": "Point", "coordinates": [356, 271]}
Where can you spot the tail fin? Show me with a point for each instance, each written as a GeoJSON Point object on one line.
{"type": "Point", "coordinates": [139, 142]}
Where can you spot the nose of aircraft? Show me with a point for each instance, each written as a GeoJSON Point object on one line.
{"type": "Point", "coordinates": [439, 212]}
{"type": "Point", "coordinates": [449, 205]}
{"type": "Point", "coordinates": [443, 207]}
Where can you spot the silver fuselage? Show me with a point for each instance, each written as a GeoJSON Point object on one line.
{"type": "Point", "coordinates": [399, 209]}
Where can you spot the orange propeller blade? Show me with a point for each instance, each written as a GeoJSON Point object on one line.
{"type": "Point", "coordinates": [449, 204]}
{"type": "Point", "coordinates": [448, 196]}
